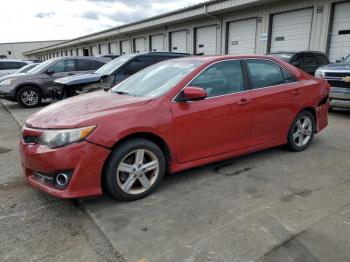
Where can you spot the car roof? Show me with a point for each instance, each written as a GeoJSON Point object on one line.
{"type": "Point", "coordinates": [102, 59]}
{"type": "Point", "coordinates": [299, 52]}
{"type": "Point", "coordinates": [14, 60]}
{"type": "Point", "coordinates": [221, 57]}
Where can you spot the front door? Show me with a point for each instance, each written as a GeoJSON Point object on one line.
{"type": "Point", "coordinates": [218, 124]}
{"type": "Point", "coordinates": [58, 70]}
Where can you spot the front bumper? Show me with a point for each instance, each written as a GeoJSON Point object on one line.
{"type": "Point", "coordinates": [340, 97]}
{"type": "Point", "coordinates": [7, 92]}
{"type": "Point", "coordinates": [85, 160]}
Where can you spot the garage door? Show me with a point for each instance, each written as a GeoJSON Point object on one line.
{"type": "Point", "coordinates": [241, 37]}
{"type": "Point", "coordinates": [139, 45]}
{"type": "Point", "coordinates": [125, 47]}
{"type": "Point", "coordinates": [157, 43]}
{"type": "Point", "coordinates": [80, 52]}
{"type": "Point", "coordinates": [291, 31]}
{"type": "Point", "coordinates": [94, 50]}
{"type": "Point", "coordinates": [178, 41]}
{"type": "Point", "coordinates": [103, 49]}
{"type": "Point", "coordinates": [114, 48]}
{"type": "Point", "coordinates": [206, 40]}
{"type": "Point", "coordinates": [340, 40]}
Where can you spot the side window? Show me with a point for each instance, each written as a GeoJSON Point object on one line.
{"type": "Point", "coordinates": [63, 66]}
{"type": "Point", "coordinates": [86, 65]}
{"type": "Point", "coordinates": [322, 60]}
{"type": "Point", "coordinates": [264, 73]}
{"type": "Point", "coordinates": [11, 65]}
{"type": "Point", "coordinates": [310, 60]}
{"type": "Point", "coordinates": [288, 78]}
{"type": "Point", "coordinates": [221, 78]}
{"type": "Point", "coordinates": [298, 61]}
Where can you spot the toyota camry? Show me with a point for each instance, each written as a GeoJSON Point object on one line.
{"type": "Point", "coordinates": [172, 116]}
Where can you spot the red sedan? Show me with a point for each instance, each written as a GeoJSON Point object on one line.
{"type": "Point", "coordinates": [171, 116]}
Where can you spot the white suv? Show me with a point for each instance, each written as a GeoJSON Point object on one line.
{"type": "Point", "coordinates": [9, 66]}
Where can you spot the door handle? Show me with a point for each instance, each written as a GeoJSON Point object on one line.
{"type": "Point", "coordinates": [244, 102]}
{"type": "Point", "coordinates": [296, 92]}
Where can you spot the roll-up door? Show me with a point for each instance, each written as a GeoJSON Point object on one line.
{"type": "Point", "coordinates": [241, 37]}
{"type": "Point", "coordinates": [178, 41]}
{"type": "Point", "coordinates": [157, 43]}
{"type": "Point", "coordinates": [206, 40]}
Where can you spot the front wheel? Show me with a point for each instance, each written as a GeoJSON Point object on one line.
{"type": "Point", "coordinates": [301, 132]}
{"type": "Point", "coordinates": [29, 97]}
{"type": "Point", "coordinates": [134, 170]}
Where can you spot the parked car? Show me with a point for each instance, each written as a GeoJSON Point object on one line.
{"type": "Point", "coordinates": [9, 66]}
{"type": "Point", "coordinates": [338, 76]}
{"type": "Point", "coordinates": [110, 56]}
{"type": "Point", "coordinates": [110, 74]}
{"type": "Point", "coordinates": [29, 89]}
{"type": "Point", "coordinates": [309, 61]}
{"type": "Point", "coordinates": [171, 116]}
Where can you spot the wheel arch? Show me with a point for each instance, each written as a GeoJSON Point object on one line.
{"type": "Point", "coordinates": [159, 141]}
{"type": "Point", "coordinates": [19, 87]}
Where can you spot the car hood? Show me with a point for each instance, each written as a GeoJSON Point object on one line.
{"type": "Point", "coordinates": [339, 66]}
{"type": "Point", "coordinates": [84, 110]}
{"type": "Point", "coordinates": [10, 76]}
{"type": "Point", "coordinates": [79, 79]}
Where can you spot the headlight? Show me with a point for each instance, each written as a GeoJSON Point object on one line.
{"type": "Point", "coordinates": [60, 138]}
{"type": "Point", "coordinates": [319, 73]}
{"type": "Point", "coordinates": [6, 82]}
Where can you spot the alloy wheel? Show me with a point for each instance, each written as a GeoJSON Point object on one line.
{"type": "Point", "coordinates": [137, 171]}
{"type": "Point", "coordinates": [302, 131]}
{"type": "Point", "coordinates": [30, 98]}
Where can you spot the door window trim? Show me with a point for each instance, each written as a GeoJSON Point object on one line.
{"type": "Point", "coordinates": [273, 86]}
{"type": "Point", "coordinates": [245, 81]}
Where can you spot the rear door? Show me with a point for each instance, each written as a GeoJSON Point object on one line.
{"type": "Point", "coordinates": [218, 124]}
{"type": "Point", "coordinates": [276, 95]}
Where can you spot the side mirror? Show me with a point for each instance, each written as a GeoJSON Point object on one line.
{"type": "Point", "coordinates": [192, 94]}
{"type": "Point", "coordinates": [50, 71]}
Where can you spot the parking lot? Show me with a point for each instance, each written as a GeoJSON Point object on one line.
{"type": "Point", "coordinates": [273, 205]}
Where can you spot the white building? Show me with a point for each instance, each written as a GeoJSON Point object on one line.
{"type": "Point", "coordinates": [224, 27]}
{"type": "Point", "coordinates": [16, 50]}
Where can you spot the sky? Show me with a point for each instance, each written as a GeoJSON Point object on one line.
{"type": "Point", "coordinates": [38, 20]}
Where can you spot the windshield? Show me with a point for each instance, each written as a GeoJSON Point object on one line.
{"type": "Point", "coordinates": [285, 56]}
{"type": "Point", "coordinates": [347, 59]}
{"type": "Point", "coordinates": [41, 66]}
{"type": "Point", "coordinates": [157, 79]}
{"type": "Point", "coordinates": [111, 66]}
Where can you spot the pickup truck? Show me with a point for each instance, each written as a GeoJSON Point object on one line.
{"type": "Point", "coordinates": [338, 76]}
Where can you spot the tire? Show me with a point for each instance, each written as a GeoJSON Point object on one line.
{"type": "Point", "coordinates": [29, 97]}
{"type": "Point", "coordinates": [125, 179]}
{"type": "Point", "coordinates": [301, 133]}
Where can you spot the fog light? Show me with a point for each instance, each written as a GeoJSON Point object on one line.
{"type": "Point", "coordinates": [62, 179]}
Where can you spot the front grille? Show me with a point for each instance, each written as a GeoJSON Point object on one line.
{"type": "Point", "coordinates": [337, 74]}
{"type": "Point", "coordinates": [339, 84]}
{"type": "Point", "coordinates": [31, 139]}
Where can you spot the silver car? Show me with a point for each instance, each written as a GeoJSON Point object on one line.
{"type": "Point", "coordinates": [9, 66]}
{"type": "Point", "coordinates": [29, 89]}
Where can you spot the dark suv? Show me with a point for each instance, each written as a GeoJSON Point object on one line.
{"type": "Point", "coordinates": [309, 61]}
{"type": "Point", "coordinates": [29, 89]}
{"type": "Point", "coordinates": [110, 74]}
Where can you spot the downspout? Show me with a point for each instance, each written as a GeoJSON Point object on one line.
{"type": "Point", "coordinates": [218, 26]}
